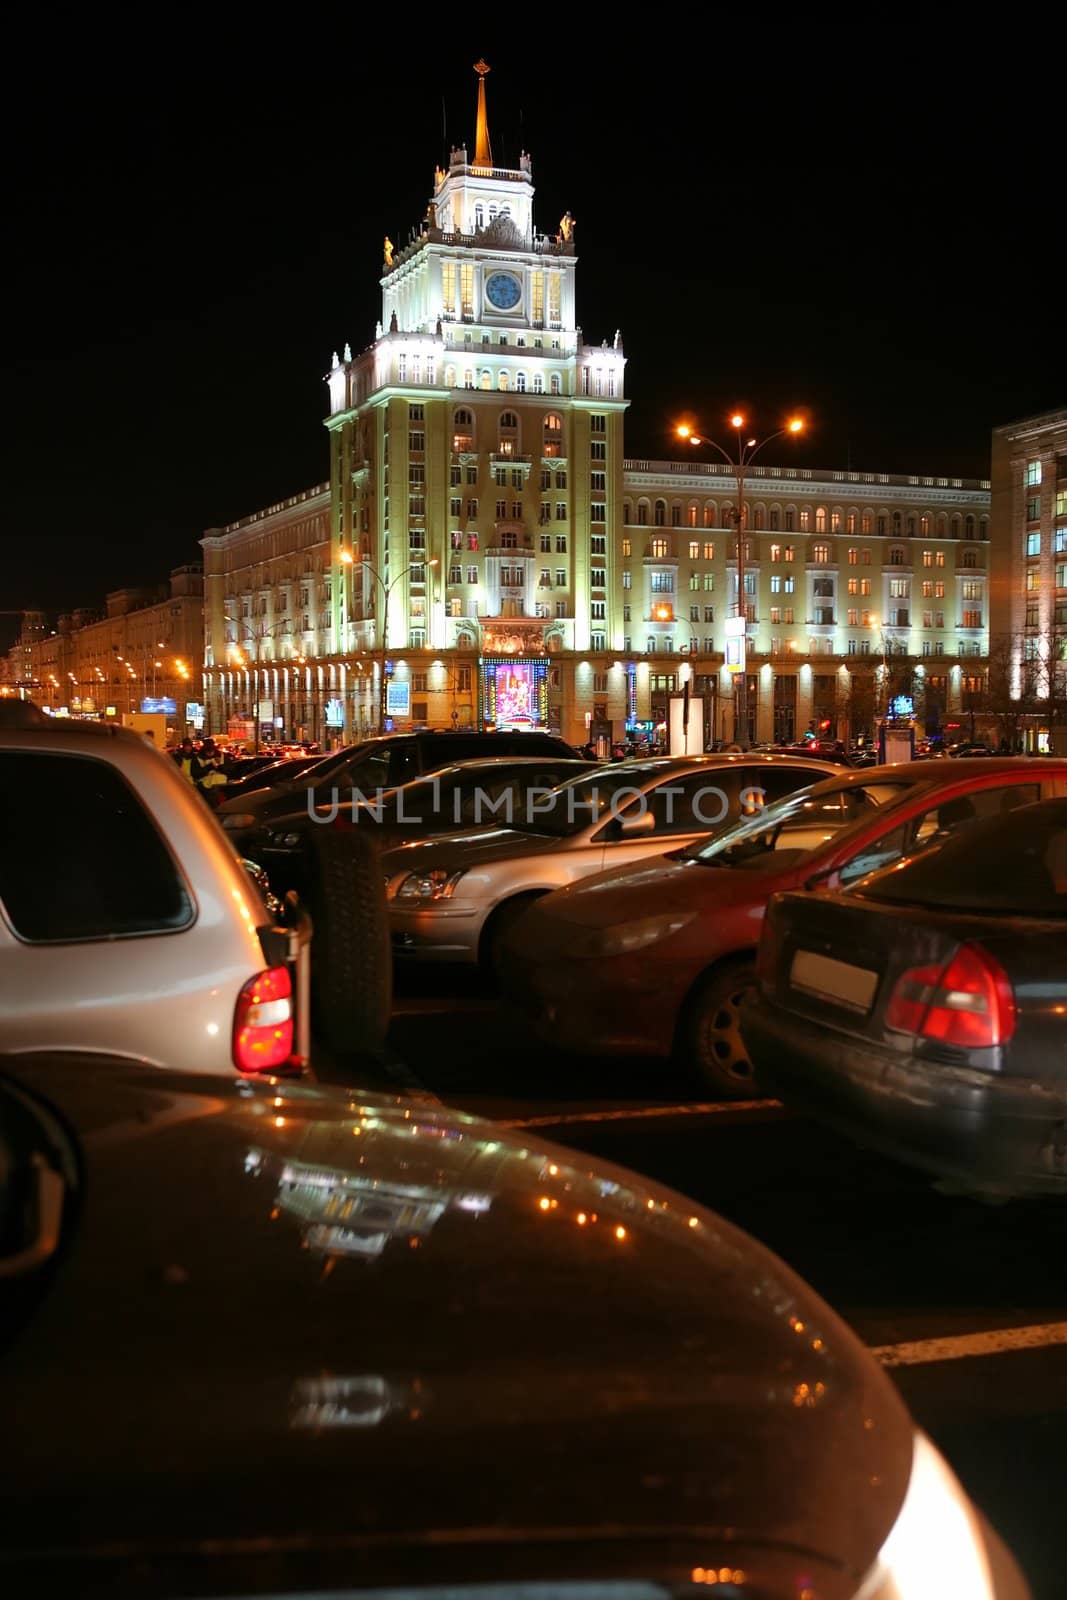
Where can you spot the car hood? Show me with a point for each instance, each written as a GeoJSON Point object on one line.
{"type": "Point", "coordinates": [289, 1314]}
{"type": "Point", "coordinates": [472, 847]}
{"type": "Point", "coordinates": [277, 801]}
{"type": "Point", "coordinates": [654, 885]}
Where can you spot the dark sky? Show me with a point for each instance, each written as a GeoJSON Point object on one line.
{"type": "Point", "coordinates": [195, 222]}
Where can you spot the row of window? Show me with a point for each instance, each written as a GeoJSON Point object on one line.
{"type": "Point", "coordinates": [1032, 542]}
{"type": "Point", "coordinates": [807, 519]}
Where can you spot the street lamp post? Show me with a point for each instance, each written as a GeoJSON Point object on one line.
{"type": "Point", "coordinates": [882, 708]}
{"type": "Point", "coordinates": [746, 451]}
{"type": "Point", "coordinates": [383, 641]}
{"type": "Point", "coordinates": [257, 637]}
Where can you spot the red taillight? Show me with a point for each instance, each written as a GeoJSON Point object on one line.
{"type": "Point", "coordinates": [263, 1022]}
{"type": "Point", "coordinates": [969, 1002]}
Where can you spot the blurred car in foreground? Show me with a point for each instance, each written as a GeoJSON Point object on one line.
{"type": "Point", "coordinates": [455, 898]}
{"type": "Point", "coordinates": [467, 793]}
{"type": "Point", "coordinates": [127, 924]}
{"type": "Point", "coordinates": [925, 1010]}
{"type": "Point", "coordinates": [263, 1339]}
{"type": "Point", "coordinates": [655, 959]}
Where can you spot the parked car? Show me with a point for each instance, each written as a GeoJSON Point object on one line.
{"type": "Point", "coordinates": [266, 1339]}
{"type": "Point", "coordinates": [925, 1009]}
{"type": "Point", "coordinates": [832, 750]}
{"type": "Point", "coordinates": [455, 898]}
{"type": "Point", "coordinates": [127, 923]}
{"type": "Point", "coordinates": [466, 793]}
{"type": "Point", "coordinates": [656, 958]}
{"type": "Point", "coordinates": [384, 762]}
{"type": "Point", "coordinates": [283, 769]}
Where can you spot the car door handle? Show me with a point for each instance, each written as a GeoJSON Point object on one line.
{"type": "Point", "coordinates": [48, 1187]}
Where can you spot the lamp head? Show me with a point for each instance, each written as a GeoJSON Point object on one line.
{"type": "Point", "coordinates": [737, 420]}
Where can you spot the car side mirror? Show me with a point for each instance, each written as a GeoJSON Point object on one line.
{"type": "Point", "coordinates": [824, 879]}
{"type": "Point", "coordinates": [634, 827]}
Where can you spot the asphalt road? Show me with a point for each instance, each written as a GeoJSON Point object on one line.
{"type": "Point", "coordinates": [964, 1302]}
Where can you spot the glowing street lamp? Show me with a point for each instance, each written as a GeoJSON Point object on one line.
{"type": "Point", "coordinates": [746, 449]}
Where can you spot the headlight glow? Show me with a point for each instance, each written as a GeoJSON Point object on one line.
{"type": "Point", "coordinates": [238, 819]}
{"type": "Point", "coordinates": [284, 841]}
{"type": "Point", "coordinates": [425, 887]}
{"type": "Point", "coordinates": [935, 1548]}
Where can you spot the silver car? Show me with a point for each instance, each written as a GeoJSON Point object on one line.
{"type": "Point", "coordinates": [127, 923]}
{"type": "Point", "coordinates": [454, 897]}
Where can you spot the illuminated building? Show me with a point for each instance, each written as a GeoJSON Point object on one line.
{"type": "Point", "coordinates": [147, 646]}
{"type": "Point", "coordinates": [534, 573]}
{"type": "Point", "coordinates": [1028, 635]}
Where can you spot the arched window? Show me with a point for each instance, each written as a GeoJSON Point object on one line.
{"type": "Point", "coordinates": [956, 527]}
{"type": "Point", "coordinates": [924, 524]}
{"type": "Point", "coordinates": [896, 524]}
{"type": "Point", "coordinates": [850, 522]}
{"type": "Point", "coordinates": [898, 556]}
{"type": "Point", "coordinates": [479, 217]}
{"type": "Point", "coordinates": [691, 514]}
{"type": "Point", "coordinates": [820, 554]}
{"type": "Point", "coordinates": [835, 520]}
{"type": "Point", "coordinates": [462, 430]}
{"type": "Point", "coordinates": [911, 527]}
{"type": "Point", "coordinates": [468, 379]}
{"type": "Point", "coordinates": [508, 433]}
{"type": "Point", "coordinates": [968, 528]}
{"type": "Point", "coordinates": [553, 384]}
{"type": "Point", "coordinates": [450, 377]}
{"type": "Point", "coordinates": [538, 383]}
{"type": "Point", "coordinates": [520, 383]}
{"type": "Point", "coordinates": [820, 519]}
{"type": "Point", "coordinates": [852, 556]}
{"type": "Point", "coordinates": [553, 435]}
{"type": "Point", "coordinates": [660, 548]}
{"type": "Point", "coordinates": [486, 380]}
{"type": "Point", "coordinates": [627, 510]}
{"type": "Point", "coordinates": [502, 379]}
{"type": "Point", "coordinates": [661, 513]}
{"type": "Point", "coordinates": [983, 532]}
{"type": "Point", "coordinates": [710, 515]}
{"type": "Point", "coordinates": [805, 519]}
{"type": "Point", "coordinates": [642, 513]}
{"type": "Point", "coordinates": [758, 517]}
{"type": "Point", "coordinates": [942, 527]}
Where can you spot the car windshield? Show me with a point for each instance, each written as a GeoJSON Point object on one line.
{"type": "Point", "coordinates": [582, 801]}
{"type": "Point", "coordinates": [802, 821]}
{"type": "Point", "coordinates": [1015, 864]}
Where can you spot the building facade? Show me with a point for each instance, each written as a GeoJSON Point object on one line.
{"type": "Point", "coordinates": [1028, 625]}
{"type": "Point", "coordinates": [147, 646]}
{"type": "Point", "coordinates": [485, 553]}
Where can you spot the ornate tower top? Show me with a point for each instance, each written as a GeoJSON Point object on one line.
{"type": "Point", "coordinates": [483, 150]}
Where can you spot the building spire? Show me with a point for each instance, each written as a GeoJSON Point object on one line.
{"type": "Point", "coordinates": [483, 150]}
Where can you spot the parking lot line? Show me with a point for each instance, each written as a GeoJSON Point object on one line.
{"type": "Point", "coordinates": [707, 1108]}
{"type": "Point", "coordinates": [993, 1342]}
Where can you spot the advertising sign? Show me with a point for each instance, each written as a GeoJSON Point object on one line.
{"type": "Point", "coordinates": [159, 703]}
{"type": "Point", "coordinates": [335, 714]}
{"type": "Point", "coordinates": [735, 654]}
{"type": "Point", "coordinates": [398, 698]}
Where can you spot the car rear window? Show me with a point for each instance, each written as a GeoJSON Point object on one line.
{"type": "Point", "coordinates": [80, 858]}
{"type": "Point", "coordinates": [1013, 863]}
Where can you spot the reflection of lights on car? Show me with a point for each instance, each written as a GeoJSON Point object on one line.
{"type": "Point", "coordinates": [362, 1401]}
{"type": "Point", "coordinates": [478, 1203]}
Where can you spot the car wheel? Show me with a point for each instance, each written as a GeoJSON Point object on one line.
{"type": "Point", "coordinates": [351, 954]}
{"type": "Point", "coordinates": [495, 934]}
{"type": "Point", "coordinates": [709, 1043]}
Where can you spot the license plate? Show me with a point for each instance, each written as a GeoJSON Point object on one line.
{"type": "Point", "coordinates": [837, 981]}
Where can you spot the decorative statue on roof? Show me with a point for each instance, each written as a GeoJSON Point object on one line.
{"type": "Point", "coordinates": [567, 226]}
{"type": "Point", "coordinates": [439, 176]}
{"type": "Point", "coordinates": [388, 251]}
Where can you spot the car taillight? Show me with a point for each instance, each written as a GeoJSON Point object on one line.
{"type": "Point", "coordinates": [263, 1022]}
{"type": "Point", "coordinates": [968, 1002]}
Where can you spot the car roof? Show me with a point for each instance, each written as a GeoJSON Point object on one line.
{"type": "Point", "coordinates": [495, 763]}
{"type": "Point", "coordinates": [68, 733]}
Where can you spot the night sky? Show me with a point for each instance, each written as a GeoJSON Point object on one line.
{"type": "Point", "coordinates": [195, 223]}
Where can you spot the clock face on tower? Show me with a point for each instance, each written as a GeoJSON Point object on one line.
{"type": "Point", "coordinates": [503, 290]}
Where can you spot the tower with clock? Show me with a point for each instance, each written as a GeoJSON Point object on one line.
{"type": "Point", "coordinates": [476, 446]}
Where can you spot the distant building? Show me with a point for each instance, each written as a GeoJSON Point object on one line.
{"type": "Point", "coordinates": [485, 545]}
{"type": "Point", "coordinates": [147, 645]}
{"type": "Point", "coordinates": [1028, 622]}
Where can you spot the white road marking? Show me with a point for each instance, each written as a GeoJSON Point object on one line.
{"type": "Point", "coordinates": [709, 1108]}
{"type": "Point", "coordinates": [993, 1342]}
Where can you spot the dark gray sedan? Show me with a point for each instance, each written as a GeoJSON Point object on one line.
{"type": "Point", "coordinates": [925, 1009]}
{"type": "Point", "coordinates": [265, 1339]}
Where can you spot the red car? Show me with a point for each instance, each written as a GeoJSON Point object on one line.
{"type": "Point", "coordinates": [656, 957]}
